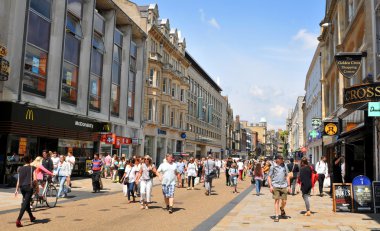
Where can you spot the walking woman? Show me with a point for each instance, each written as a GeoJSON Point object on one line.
{"type": "Point", "coordinates": [145, 177]}
{"type": "Point", "coordinates": [121, 168]}
{"type": "Point", "coordinates": [115, 169]}
{"type": "Point", "coordinates": [129, 179]}
{"type": "Point", "coordinates": [25, 181]}
{"type": "Point", "coordinates": [258, 174]}
{"type": "Point", "coordinates": [191, 173]}
{"type": "Point", "coordinates": [63, 171]}
{"type": "Point", "coordinates": [200, 170]}
{"type": "Point", "coordinates": [306, 184]}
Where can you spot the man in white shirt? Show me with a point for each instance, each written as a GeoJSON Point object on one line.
{"type": "Point", "coordinates": [167, 173]}
{"type": "Point", "coordinates": [240, 165]}
{"type": "Point", "coordinates": [218, 165]}
{"type": "Point", "coordinates": [71, 160]}
{"type": "Point", "coordinates": [322, 169]}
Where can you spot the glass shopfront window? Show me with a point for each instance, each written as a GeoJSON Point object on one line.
{"type": "Point", "coordinates": [148, 145]}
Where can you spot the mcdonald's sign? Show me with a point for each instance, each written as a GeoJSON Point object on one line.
{"type": "Point", "coordinates": [29, 115]}
{"type": "Point", "coordinates": [106, 128]}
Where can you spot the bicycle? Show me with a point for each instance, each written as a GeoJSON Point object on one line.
{"type": "Point", "coordinates": [49, 196]}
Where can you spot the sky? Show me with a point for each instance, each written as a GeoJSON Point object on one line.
{"type": "Point", "coordinates": [258, 51]}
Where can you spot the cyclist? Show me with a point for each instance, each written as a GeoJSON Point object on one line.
{"type": "Point", "coordinates": [40, 171]}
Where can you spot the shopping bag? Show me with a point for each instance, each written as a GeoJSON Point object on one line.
{"type": "Point", "coordinates": [125, 188]}
{"type": "Point", "coordinates": [196, 181]}
{"type": "Point", "coordinates": [327, 182]}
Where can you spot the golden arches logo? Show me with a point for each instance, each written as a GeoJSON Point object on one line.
{"type": "Point", "coordinates": [29, 115]}
{"type": "Point", "coordinates": [106, 127]}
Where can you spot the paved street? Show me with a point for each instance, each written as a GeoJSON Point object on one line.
{"type": "Point", "coordinates": [193, 210]}
{"type": "Point", "coordinates": [255, 213]}
{"type": "Point", "coordinates": [87, 211]}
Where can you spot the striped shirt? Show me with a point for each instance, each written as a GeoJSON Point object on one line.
{"type": "Point", "coordinates": [96, 165]}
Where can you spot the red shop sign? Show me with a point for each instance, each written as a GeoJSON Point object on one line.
{"type": "Point", "coordinates": [109, 138]}
{"type": "Point", "coordinates": [122, 140]}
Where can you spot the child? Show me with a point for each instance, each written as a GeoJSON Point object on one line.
{"type": "Point", "coordinates": [234, 173]}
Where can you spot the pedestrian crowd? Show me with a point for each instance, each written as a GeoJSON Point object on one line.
{"type": "Point", "coordinates": [35, 174]}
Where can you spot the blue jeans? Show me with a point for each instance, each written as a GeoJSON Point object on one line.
{"type": "Point", "coordinates": [258, 186]}
{"type": "Point", "coordinates": [62, 187]}
{"type": "Point", "coordinates": [130, 190]}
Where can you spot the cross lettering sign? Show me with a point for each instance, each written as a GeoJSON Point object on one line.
{"type": "Point", "coordinates": [4, 69]}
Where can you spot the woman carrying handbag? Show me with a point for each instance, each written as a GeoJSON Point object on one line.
{"type": "Point", "coordinates": [27, 180]}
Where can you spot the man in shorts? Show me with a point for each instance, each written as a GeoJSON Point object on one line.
{"type": "Point", "coordinates": [167, 173]}
{"type": "Point", "coordinates": [279, 185]}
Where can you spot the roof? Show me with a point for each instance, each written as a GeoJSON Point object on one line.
{"type": "Point", "coordinates": [202, 72]}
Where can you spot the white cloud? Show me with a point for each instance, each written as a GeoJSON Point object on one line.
{"type": "Point", "coordinates": [278, 111]}
{"type": "Point", "coordinates": [308, 39]}
{"type": "Point", "coordinates": [214, 23]}
{"type": "Point", "coordinates": [257, 92]}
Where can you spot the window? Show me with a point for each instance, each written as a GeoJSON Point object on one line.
{"type": "Point", "coordinates": [116, 69]}
{"type": "Point", "coordinates": [173, 90]}
{"type": "Point", "coordinates": [163, 114]}
{"type": "Point", "coordinates": [71, 55]}
{"type": "Point", "coordinates": [97, 63]}
{"type": "Point", "coordinates": [172, 118]}
{"type": "Point", "coordinates": [37, 47]}
{"type": "Point", "coordinates": [150, 109]}
{"type": "Point", "coordinates": [75, 7]}
{"type": "Point", "coordinates": [169, 87]}
{"type": "Point", "coordinates": [132, 82]}
{"type": "Point", "coordinates": [181, 120]}
{"type": "Point", "coordinates": [158, 79]}
{"type": "Point", "coordinates": [164, 80]}
{"type": "Point", "coordinates": [151, 76]}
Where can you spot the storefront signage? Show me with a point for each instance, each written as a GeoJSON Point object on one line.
{"type": "Point", "coordinates": [4, 69]}
{"type": "Point", "coordinates": [3, 51]}
{"type": "Point", "coordinates": [22, 144]}
{"type": "Point", "coordinates": [66, 143]}
{"type": "Point", "coordinates": [374, 109]}
{"type": "Point", "coordinates": [376, 195]}
{"type": "Point", "coordinates": [29, 114]}
{"type": "Point", "coordinates": [161, 132]}
{"type": "Point", "coordinates": [348, 63]}
{"type": "Point", "coordinates": [135, 141]}
{"type": "Point", "coordinates": [84, 124]}
{"type": "Point", "coordinates": [361, 94]}
{"type": "Point", "coordinates": [316, 122]}
{"type": "Point", "coordinates": [122, 140]}
{"type": "Point", "coordinates": [362, 188]}
{"type": "Point", "coordinates": [109, 138]}
{"type": "Point", "coordinates": [342, 197]}
{"type": "Point", "coordinates": [331, 128]}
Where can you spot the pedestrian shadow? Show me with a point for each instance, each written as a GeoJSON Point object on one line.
{"type": "Point", "coordinates": [38, 221]}
{"type": "Point", "coordinates": [303, 212]}
{"type": "Point", "coordinates": [177, 209]}
{"type": "Point", "coordinates": [214, 194]}
{"type": "Point", "coordinates": [70, 197]}
{"type": "Point", "coordinates": [281, 217]}
{"type": "Point", "coordinates": [155, 207]}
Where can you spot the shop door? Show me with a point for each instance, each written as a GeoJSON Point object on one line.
{"type": "Point", "coordinates": [354, 160]}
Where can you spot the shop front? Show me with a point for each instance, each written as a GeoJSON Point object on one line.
{"type": "Point", "coordinates": [27, 130]}
{"type": "Point", "coordinates": [115, 145]}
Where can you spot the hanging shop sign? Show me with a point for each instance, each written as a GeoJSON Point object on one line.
{"type": "Point", "coordinates": [316, 122]}
{"type": "Point", "coordinates": [109, 138]}
{"type": "Point", "coordinates": [349, 63]}
{"type": "Point", "coordinates": [4, 69]}
{"type": "Point", "coordinates": [330, 128]}
{"type": "Point", "coordinates": [360, 94]}
{"type": "Point", "coordinates": [362, 189]}
{"type": "Point", "coordinates": [374, 109]}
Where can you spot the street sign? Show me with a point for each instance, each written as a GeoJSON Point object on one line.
{"type": "Point", "coordinates": [342, 197]}
{"type": "Point", "coordinates": [374, 109]}
{"type": "Point", "coordinates": [316, 122]}
{"type": "Point", "coordinates": [348, 63]}
{"type": "Point", "coordinates": [4, 69]}
{"type": "Point", "coordinates": [331, 128]}
{"type": "Point", "coordinates": [3, 51]}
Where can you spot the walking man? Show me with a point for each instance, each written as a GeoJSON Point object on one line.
{"type": "Point", "coordinates": [167, 173]}
{"type": "Point", "coordinates": [279, 186]}
{"type": "Point", "coordinates": [96, 167]}
{"type": "Point", "coordinates": [71, 160]}
{"type": "Point", "coordinates": [218, 165]}
{"type": "Point", "coordinates": [227, 167]}
{"type": "Point", "coordinates": [322, 170]}
{"type": "Point", "coordinates": [209, 173]}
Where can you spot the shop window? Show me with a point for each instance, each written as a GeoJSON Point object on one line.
{"type": "Point", "coordinates": [38, 31]}
{"type": "Point", "coordinates": [35, 70]}
{"type": "Point", "coordinates": [95, 92]}
{"type": "Point", "coordinates": [69, 83]}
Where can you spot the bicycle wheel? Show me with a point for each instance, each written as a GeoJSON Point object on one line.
{"type": "Point", "coordinates": [34, 202]}
{"type": "Point", "coordinates": [51, 196]}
